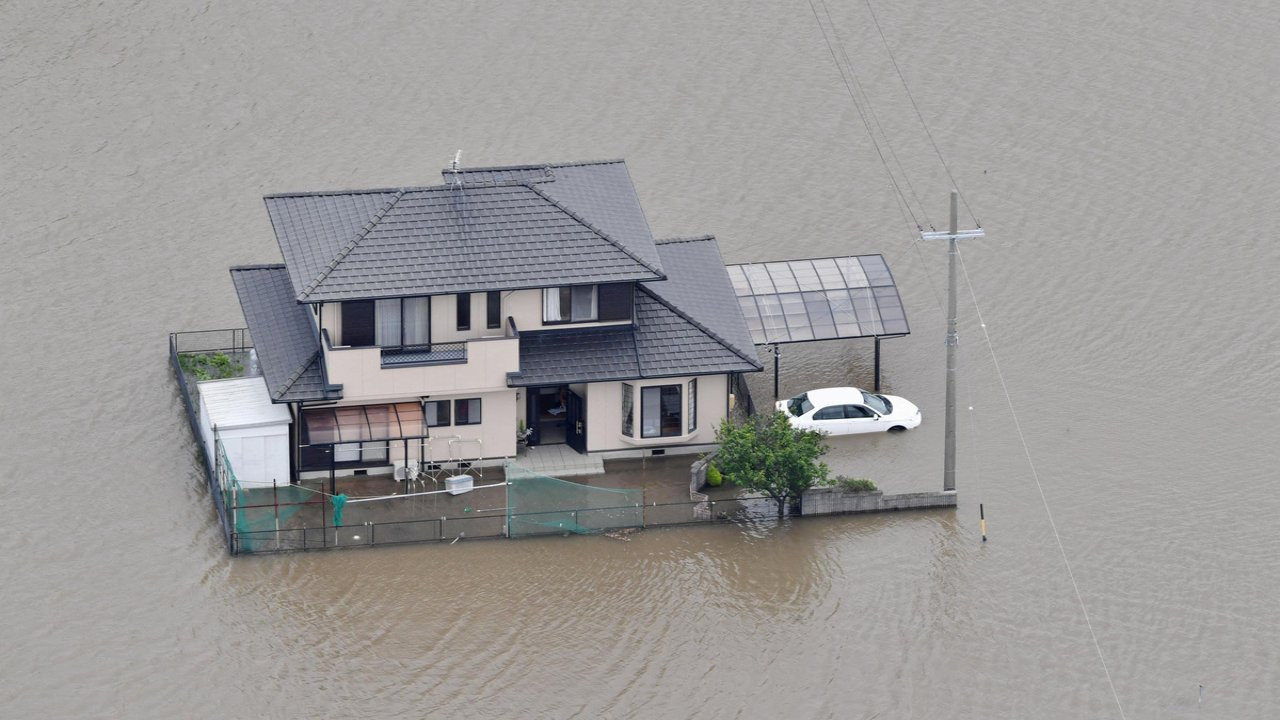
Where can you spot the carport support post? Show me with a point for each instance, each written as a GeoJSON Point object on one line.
{"type": "Point", "coordinates": [877, 363]}
{"type": "Point", "coordinates": [775, 372]}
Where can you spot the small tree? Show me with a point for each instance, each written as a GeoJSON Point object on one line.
{"type": "Point", "coordinates": [766, 454]}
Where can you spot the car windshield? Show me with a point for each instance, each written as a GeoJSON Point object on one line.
{"type": "Point", "coordinates": [879, 403]}
{"type": "Point", "coordinates": [799, 404]}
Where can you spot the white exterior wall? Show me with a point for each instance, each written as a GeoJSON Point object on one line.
{"type": "Point", "coordinates": [258, 455]}
{"type": "Point", "coordinates": [604, 413]}
{"type": "Point", "coordinates": [522, 306]}
{"type": "Point", "coordinates": [496, 431]}
{"type": "Point", "coordinates": [365, 381]}
{"type": "Point", "coordinates": [254, 431]}
{"type": "Point", "coordinates": [444, 318]}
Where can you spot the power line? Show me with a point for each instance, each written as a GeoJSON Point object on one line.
{"type": "Point", "coordinates": [866, 99]}
{"type": "Point", "coordinates": [919, 115]}
{"type": "Point", "coordinates": [1036, 477]}
{"type": "Point", "coordinates": [899, 196]}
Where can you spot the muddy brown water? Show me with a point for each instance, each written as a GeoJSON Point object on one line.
{"type": "Point", "coordinates": [1122, 157]}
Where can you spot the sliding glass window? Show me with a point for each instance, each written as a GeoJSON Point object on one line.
{"type": "Point", "coordinates": [569, 304]}
{"type": "Point", "coordinates": [660, 411]}
{"type": "Point", "coordinates": [402, 322]}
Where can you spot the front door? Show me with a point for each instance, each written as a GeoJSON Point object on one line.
{"type": "Point", "coordinates": [576, 426]}
{"type": "Point", "coordinates": [548, 413]}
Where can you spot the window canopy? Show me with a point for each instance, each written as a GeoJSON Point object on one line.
{"type": "Point", "coordinates": [362, 423]}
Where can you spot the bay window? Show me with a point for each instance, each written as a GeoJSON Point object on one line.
{"type": "Point", "coordinates": [693, 404]}
{"type": "Point", "coordinates": [660, 411]}
{"type": "Point", "coordinates": [628, 410]}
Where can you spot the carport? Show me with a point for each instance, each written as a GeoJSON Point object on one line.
{"type": "Point", "coordinates": [834, 298]}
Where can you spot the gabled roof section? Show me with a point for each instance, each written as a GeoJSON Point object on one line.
{"type": "Point", "coordinates": [683, 326]}
{"type": "Point", "coordinates": [484, 229]}
{"type": "Point", "coordinates": [284, 336]}
{"type": "Point", "coordinates": [698, 287]}
{"type": "Point", "coordinates": [669, 343]}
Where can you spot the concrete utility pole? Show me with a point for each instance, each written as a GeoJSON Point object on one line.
{"type": "Point", "coordinates": [953, 339]}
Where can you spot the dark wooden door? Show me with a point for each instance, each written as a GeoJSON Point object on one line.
{"type": "Point", "coordinates": [576, 429]}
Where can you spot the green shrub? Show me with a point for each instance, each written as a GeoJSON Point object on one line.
{"type": "Point", "coordinates": [209, 367]}
{"type": "Point", "coordinates": [855, 484]}
{"type": "Point", "coordinates": [714, 478]}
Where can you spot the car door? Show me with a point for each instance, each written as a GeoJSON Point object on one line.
{"type": "Point", "coordinates": [860, 419]}
{"type": "Point", "coordinates": [829, 420]}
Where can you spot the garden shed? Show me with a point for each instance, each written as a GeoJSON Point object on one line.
{"type": "Point", "coordinates": [254, 431]}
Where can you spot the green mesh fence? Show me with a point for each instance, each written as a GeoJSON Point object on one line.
{"type": "Point", "coordinates": [257, 514]}
{"type": "Point", "coordinates": [538, 504]}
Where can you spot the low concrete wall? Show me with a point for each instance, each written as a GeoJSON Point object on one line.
{"type": "Point", "coordinates": [831, 501]}
{"type": "Point", "coordinates": [698, 474]}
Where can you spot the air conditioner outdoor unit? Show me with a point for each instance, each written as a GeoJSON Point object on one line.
{"type": "Point", "coordinates": [458, 484]}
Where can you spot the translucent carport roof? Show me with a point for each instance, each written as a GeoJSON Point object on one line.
{"type": "Point", "coordinates": [819, 299]}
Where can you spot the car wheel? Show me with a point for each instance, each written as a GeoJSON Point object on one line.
{"type": "Point", "coordinates": [897, 429]}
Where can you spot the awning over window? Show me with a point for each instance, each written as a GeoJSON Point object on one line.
{"type": "Point", "coordinates": [822, 299]}
{"type": "Point", "coordinates": [362, 423]}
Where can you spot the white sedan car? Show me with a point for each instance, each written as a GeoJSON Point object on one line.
{"type": "Point", "coordinates": [848, 410]}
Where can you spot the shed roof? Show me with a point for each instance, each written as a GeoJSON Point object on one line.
{"type": "Point", "coordinates": [241, 403]}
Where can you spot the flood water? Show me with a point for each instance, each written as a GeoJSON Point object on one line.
{"type": "Point", "coordinates": [1121, 156]}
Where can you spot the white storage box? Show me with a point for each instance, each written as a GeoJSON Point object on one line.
{"type": "Point", "coordinates": [458, 484]}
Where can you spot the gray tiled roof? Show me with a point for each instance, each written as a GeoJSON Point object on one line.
{"type": "Point", "coordinates": [284, 336]}
{"type": "Point", "coordinates": [560, 356]}
{"type": "Point", "coordinates": [667, 339]}
{"type": "Point", "coordinates": [501, 228]}
{"type": "Point", "coordinates": [600, 192]}
{"type": "Point", "coordinates": [698, 286]}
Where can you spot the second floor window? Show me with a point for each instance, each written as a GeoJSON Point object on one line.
{"type": "Point", "coordinates": [569, 304]}
{"type": "Point", "coordinates": [395, 322]}
{"type": "Point", "coordinates": [610, 302]}
{"type": "Point", "coordinates": [493, 310]}
{"type": "Point", "coordinates": [464, 311]}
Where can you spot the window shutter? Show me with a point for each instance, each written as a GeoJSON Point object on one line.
{"type": "Point", "coordinates": [357, 323]}
{"type": "Point", "coordinates": [615, 301]}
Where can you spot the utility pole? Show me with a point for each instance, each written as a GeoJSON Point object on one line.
{"type": "Point", "coordinates": [953, 339]}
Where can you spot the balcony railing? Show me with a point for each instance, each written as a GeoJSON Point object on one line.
{"type": "Point", "coordinates": [434, 354]}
